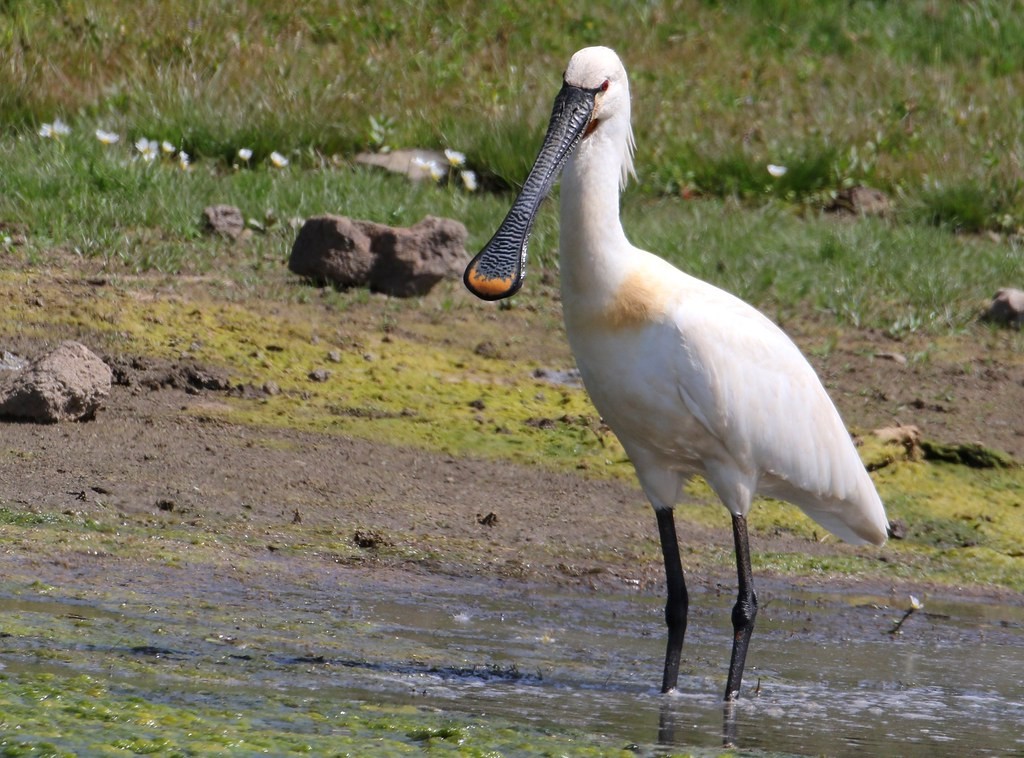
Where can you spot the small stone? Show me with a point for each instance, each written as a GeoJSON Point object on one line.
{"type": "Point", "coordinates": [320, 375]}
{"type": "Point", "coordinates": [68, 384]}
{"type": "Point", "coordinates": [897, 529]}
{"type": "Point", "coordinates": [1007, 308]}
{"type": "Point", "coordinates": [225, 220]}
{"type": "Point", "coordinates": [906, 436]}
{"type": "Point", "coordinates": [11, 362]}
{"type": "Point", "coordinates": [861, 201]}
{"type": "Point", "coordinates": [487, 349]}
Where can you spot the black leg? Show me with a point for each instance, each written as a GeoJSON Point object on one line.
{"type": "Point", "coordinates": [678, 601]}
{"type": "Point", "coordinates": [745, 610]}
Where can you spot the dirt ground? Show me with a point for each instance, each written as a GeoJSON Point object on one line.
{"type": "Point", "coordinates": [149, 457]}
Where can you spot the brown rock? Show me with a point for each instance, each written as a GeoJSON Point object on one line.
{"type": "Point", "coordinates": [906, 436]}
{"type": "Point", "coordinates": [861, 201]}
{"type": "Point", "coordinates": [332, 249]}
{"type": "Point", "coordinates": [399, 261]}
{"type": "Point", "coordinates": [411, 261]}
{"type": "Point", "coordinates": [68, 384]}
{"type": "Point", "coordinates": [1007, 308]}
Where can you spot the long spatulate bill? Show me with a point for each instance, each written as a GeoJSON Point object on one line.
{"type": "Point", "coordinates": [498, 270]}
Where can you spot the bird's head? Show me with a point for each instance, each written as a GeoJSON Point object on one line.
{"type": "Point", "coordinates": [593, 104]}
{"type": "Point", "coordinates": [599, 70]}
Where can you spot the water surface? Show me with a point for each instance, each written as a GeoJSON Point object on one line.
{"type": "Point", "coordinates": [824, 675]}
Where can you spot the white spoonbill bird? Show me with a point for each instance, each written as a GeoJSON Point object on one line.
{"type": "Point", "coordinates": [691, 379]}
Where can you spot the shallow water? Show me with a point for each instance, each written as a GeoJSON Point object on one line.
{"type": "Point", "coordinates": [824, 676]}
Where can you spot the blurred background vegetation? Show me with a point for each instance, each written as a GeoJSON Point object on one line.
{"type": "Point", "coordinates": [922, 99]}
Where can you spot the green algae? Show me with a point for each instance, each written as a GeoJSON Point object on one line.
{"type": "Point", "coordinates": [387, 387]}
{"type": "Point", "coordinates": [967, 454]}
{"type": "Point", "coordinates": [53, 715]}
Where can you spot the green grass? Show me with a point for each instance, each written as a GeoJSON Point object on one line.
{"type": "Point", "coordinates": [102, 203]}
{"type": "Point", "coordinates": [922, 99]}
{"type": "Point", "coordinates": [911, 97]}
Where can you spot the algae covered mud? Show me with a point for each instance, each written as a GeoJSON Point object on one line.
{"type": "Point", "coordinates": [287, 655]}
{"type": "Point", "coordinates": [437, 550]}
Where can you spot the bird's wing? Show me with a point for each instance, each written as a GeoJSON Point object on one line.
{"type": "Point", "coordinates": [753, 390]}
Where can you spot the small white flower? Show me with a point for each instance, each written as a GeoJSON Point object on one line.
{"type": "Point", "coordinates": [455, 158]}
{"type": "Point", "coordinates": [147, 149]}
{"type": "Point", "coordinates": [167, 148]}
{"type": "Point", "coordinates": [425, 166]}
{"type": "Point", "coordinates": [107, 138]}
{"type": "Point", "coordinates": [277, 160]}
{"type": "Point", "coordinates": [244, 154]}
{"type": "Point", "coordinates": [469, 180]}
{"type": "Point", "coordinates": [183, 160]}
{"type": "Point", "coordinates": [57, 129]}
{"type": "Point", "coordinates": [915, 604]}
{"type": "Point", "coordinates": [777, 171]}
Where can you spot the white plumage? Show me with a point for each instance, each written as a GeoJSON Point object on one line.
{"type": "Point", "coordinates": [691, 379]}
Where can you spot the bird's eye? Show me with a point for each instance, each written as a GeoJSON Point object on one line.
{"type": "Point", "coordinates": [604, 85]}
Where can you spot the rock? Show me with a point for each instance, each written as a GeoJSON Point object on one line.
{"type": "Point", "coordinates": [861, 201]}
{"type": "Point", "coordinates": [225, 220]}
{"type": "Point", "coordinates": [414, 163]}
{"type": "Point", "coordinates": [333, 249]}
{"type": "Point", "coordinates": [68, 384]}
{"type": "Point", "coordinates": [899, 358]}
{"type": "Point", "coordinates": [906, 436]}
{"type": "Point", "coordinates": [411, 261]}
{"type": "Point", "coordinates": [1007, 308]}
{"type": "Point", "coordinates": [11, 362]}
{"type": "Point", "coordinates": [897, 529]}
{"type": "Point", "coordinates": [404, 262]}
{"type": "Point", "coordinates": [568, 377]}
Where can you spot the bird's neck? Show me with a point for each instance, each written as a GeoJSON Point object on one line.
{"type": "Point", "coordinates": [592, 243]}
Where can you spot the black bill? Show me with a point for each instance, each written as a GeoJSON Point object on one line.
{"type": "Point", "coordinates": [498, 270]}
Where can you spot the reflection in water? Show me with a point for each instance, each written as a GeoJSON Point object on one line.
{"type": "Point", "coordinates": [824, 676]}
{"type": "Point", "coordinates": [669, 717]}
